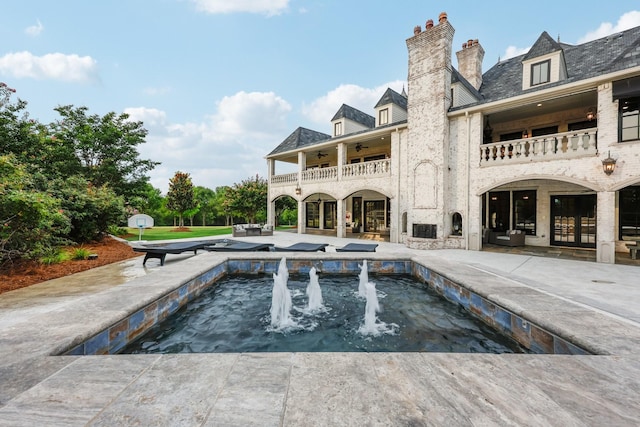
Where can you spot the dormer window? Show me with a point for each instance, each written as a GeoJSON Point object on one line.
{"type": "Point", "coordinates": [383, 117]}
{"type": "Point", "coordinates": [337, 129]}
{"type": "Point", "coordinates": [541, 72]}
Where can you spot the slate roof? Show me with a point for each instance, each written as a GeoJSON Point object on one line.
{"type": "Point", "coordinates": [616, 52]}
{"type": "Point", "coordinates": [390, 96]}
{"type": "Point", "coordinates": [301, 137]}
{"type": "Point", "coordinates": [544, 45]}
{"type": "Point", "coordinates": [355, 115]}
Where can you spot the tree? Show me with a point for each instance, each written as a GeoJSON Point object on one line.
{"type": "Point", "coordinates": [285, 204]}
{"type": "Point", "coordinates": [205, 199]}
{"type": "Point", "coordinates": [249, 199]}
{"type": "Point", "coordinates": [104, 148]}
{"type": "Point", "coordinates": [180, 195]}
{"type": "Point", "coordinates": [222, 203]}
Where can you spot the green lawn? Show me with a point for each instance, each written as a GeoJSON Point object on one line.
{"type": "Point", "coordinates": [169, 233]}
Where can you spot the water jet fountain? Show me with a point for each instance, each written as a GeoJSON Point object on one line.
{"type": "Point", "coordinates": [364, 279]}
{"type": "Point", "coordinates": [281, 298]}
{"type": "Point", "coordinates": [314, 293]}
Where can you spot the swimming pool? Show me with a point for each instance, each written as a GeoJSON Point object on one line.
{"type": "Point", "coordinates": [145, 314]}
{"type": "Point", "coordinates": [234, 316]}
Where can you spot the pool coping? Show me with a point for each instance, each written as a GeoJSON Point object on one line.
{"type": "Point", "coordinates": [540, 322]}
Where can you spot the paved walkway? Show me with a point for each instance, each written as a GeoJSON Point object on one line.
{"type": "Point", "coordinates": [599, 304]}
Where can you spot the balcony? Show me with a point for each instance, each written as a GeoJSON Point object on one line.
{"type": "Point", "coordinates": [565, 145]}
{"type": "Point", "coordinates": [372, 169]}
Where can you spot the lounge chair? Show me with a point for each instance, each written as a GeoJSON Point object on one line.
{"type": "Point", "coordinates": [160, 250]}
{"type": "Point", "coordinates": [303, 247]}
{"type": "Point", "coordinates": [358, 247]}
{"type": "Point", "coordinates": [240, 247]}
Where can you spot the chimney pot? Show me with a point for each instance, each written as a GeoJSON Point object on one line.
{"type": "Point", "coordinates": [442, 18]}
{"type": "Point", "coordinates": [417, 30]}
{"type": "Point", "coordinates": [464, 45]}
{"type": "Point", "coordinates": [429, 24]}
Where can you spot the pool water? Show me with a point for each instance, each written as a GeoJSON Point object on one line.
{"type": "Point", "coordinates": [234, 316]}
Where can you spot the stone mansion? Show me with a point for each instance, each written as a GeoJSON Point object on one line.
{"type": "Point", "coordinates": [547, 143]}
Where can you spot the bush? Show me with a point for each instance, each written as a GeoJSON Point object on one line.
{"type": "Point", "coordinates": [115, 230]}
{"type": "Point", "coordinates": [91, 209]}
{"type": "Point", "coordinates": [31, 221]}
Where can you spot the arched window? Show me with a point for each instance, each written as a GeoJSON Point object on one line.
{"type": "Point", "coordinates": [456, 224]}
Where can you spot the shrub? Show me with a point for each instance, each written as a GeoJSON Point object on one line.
{"type": "Point", "coordinates": [54, 256]}
{"type": "Point", "coordinates": [80, 253]}
{"type": "Point", "coordinates": [91, 209]}
{"type": "Point", "coordinates": [31, 221]}
{"type": "Point", "coordinates": [115, 230]}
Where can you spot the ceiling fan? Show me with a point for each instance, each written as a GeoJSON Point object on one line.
{"type": "Point", "coordinates": [359, 147]}
{"type": "Point", "coordinates": [321, 154]}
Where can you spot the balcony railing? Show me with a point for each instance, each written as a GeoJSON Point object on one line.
{"type": "Point", "coordinates": [287, 178]}
{"type": "Point", "coordinates": [320, 174]}
{"type": "Point", "coordinates": [547, 147]}
{"type": "Point", "coordinates": [375, 168]}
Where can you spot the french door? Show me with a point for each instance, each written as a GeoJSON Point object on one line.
{"type": "Point", "coordinates": [573, 221]}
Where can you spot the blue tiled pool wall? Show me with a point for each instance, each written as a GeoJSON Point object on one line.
{"type": "Point", "coordinates": [529, 335]}
{"type": "Point", "coordinates": [116, 337]}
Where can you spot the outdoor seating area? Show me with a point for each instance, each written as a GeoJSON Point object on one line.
{"type": "Point", "coordinates": [507, 238]}
{"type": "Point", "coordinates": [246, 230]}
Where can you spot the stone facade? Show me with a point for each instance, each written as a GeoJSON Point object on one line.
{"type": "Point", "coordinates": [479, 147]}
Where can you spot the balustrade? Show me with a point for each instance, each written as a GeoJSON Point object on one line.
{"type": "Point", "coordinates": [373, 168]}
{"type": "Point", "coordinates": [546, 147]}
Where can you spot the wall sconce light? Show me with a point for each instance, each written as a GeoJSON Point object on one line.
{"type": "Point", "coordinates": [525, 134]}
{"type": "Point", "coordinates": [609, 164]}
{"type": "Point", "coordinates": [591, 114]}
{"type": "Point", "coordinates": [298, 190]}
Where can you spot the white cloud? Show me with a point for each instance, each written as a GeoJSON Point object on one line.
{"type": "Point", "coordinates": [324, 108]}
{"type": "Point", "coordinates": [34, 30]}
{"type": "Point", "coordinates": [626, 21]}
{"type": "Point", "coordinates": [155, 91]}
{"type": "Point", "coordinates": [52, 66]}
{"type": "Point", "coordinates": [267, 7]}
{"type": "Point", "coordinates": [513, 51]}
{"type": "Point", "coordinates": [223, 149]}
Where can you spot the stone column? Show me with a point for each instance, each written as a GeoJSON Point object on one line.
{"type": "Point", "coordinates": [301, 216]}
{"type": "Point", "coordinates": [341, 227]}
{"type": "Point", "coordinates": [271, 206]}
{"type": "Point", "coordinates": [606, 227]}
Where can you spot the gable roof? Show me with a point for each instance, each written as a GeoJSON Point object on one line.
{"type": "Point", "coordinates": [543, 46]}
{"type": "Point", "coordinates": [354, 115]}
{"type": "Point", "coordinates": [616, 52]}
{"type": "Point", "coordinates": [300, 137]}
{"type": "Point", "coordinates": [390, 96]}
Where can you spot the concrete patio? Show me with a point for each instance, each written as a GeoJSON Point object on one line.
{"type": "Point", "coordinates": [597, 304]}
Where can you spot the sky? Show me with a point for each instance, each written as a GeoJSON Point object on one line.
{"type": "Point", "coordinates": [219, 84]}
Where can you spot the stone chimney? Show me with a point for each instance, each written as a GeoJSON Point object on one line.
{"type": "Point", "coordinates": [470, 62]}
